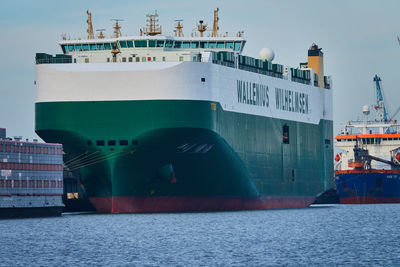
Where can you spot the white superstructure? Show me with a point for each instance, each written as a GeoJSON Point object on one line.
{"type": "Point", "coordinates": [380, 138]}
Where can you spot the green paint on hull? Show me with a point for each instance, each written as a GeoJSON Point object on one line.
{"type": "Point", "coordinates": [187, 148]}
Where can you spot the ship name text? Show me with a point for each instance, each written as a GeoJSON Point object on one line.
{"type": "Point", "coordinates": [291, 101]}
{"type": "Point", "coordinates": [252, 93]}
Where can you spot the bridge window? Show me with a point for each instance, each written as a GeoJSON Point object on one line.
{"type": "Point", "coordinates": [177, 44]}
{"type": "Point", "coordinates": [152, 43]}
{"type": "Point", "coordinates": [195, 44]}
{"type": "Point", "coordinates": [211, 45]}
{"type": "Point", "coordinates": [111, 142]}
{"type": "Point", "coordinates": [93, 47]}
{"type": "Point", "coordinates": [85, 47]}
{"type": "Point", "coordinates": [71, 48]}
{"type": "Point", "coordinates": [186, 45]}
{"type": "Point", "coordinates": [229, 45]}
{"type": "Point", "coordinates": [203, 44]}
{"type": "Point", "coordinates": [237, 46]}
{"type": "Point", "coordinates": [130, 44]}
{"type": "Point", "coordinates": [123, 44]}
{"type": "Point", "coordinates": [220, 45]}
{"type": "Point", "coordinates": [140, 43]}
{"type": "Point", "coordinates": [107, 46]}
{"type": "Point", "coordinates": [78, 47]}
{"type": "Point", "coordinates": [160, 43]}
{"type": "Point", "coordinates": [100, 46]}
{"type": "Point", "coordinates": [168, 43]}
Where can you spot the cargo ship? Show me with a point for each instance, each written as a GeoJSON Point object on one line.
{"type": "Point", "coordinates": [31, 181]}
{"type": "Point", "coordinates": [158, 123]}
{"type": "Point", "coordinates": [368, 171]}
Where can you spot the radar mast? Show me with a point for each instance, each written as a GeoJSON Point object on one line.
{"type": "Point", "coordinates": [152, 28]}
{"type": "Point", "coordinates": [201, 27]}
{"type": "Point", "coordinates": [90, 25]}
{"type": "Point", "coordinates": [215, 29]}
{"type": "Point", "coordinates": [117, 28]}
{"type": "Point", "coordinates": [178, 27]}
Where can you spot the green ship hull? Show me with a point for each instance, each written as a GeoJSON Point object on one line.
{"type": "Point", "coordinates": [185, 155]}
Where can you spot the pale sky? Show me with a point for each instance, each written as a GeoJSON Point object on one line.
{"type": "Point", "coordinates": [358, 38]}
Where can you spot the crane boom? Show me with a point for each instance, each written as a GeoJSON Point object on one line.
{"type": "Point", "coordinates": [380, 104]}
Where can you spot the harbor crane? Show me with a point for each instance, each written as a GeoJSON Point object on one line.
{"type": "Point", "coordinates": [380, 104]}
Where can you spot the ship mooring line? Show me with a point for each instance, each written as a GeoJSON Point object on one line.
{"type": "Point", "coordinates": [85, 159]}
{"type": "Point", "coordinates": [79, 157]}
{"type": "Point", "coordinates": [98, 161]}
{"type": "Point", "coordinates": [95, 158]}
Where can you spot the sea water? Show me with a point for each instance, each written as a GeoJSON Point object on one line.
{"type": "Point", "coordinates": [339, 235]}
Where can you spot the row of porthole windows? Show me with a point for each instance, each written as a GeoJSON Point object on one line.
{"type": "Point", "coordinates": [369, 140]}
{"type": "Point", "coordinates": [29, 149]}
{"type": "Point", "coordinates": [153, 43]}
{"type": "Point", "coordinates": [31, 183]}
{"type": "Point", "coordinates": [136, 59]}
{"type": "Point", "coordinates": [30, 166]}
{"type": "Point", "coordinates": [112, 142]}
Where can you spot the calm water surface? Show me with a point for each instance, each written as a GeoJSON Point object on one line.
{"type": "Point", "coordinates": [339, 235]}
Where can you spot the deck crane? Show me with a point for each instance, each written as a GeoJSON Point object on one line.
{"type": "Point", "coordinates": [380, 104]}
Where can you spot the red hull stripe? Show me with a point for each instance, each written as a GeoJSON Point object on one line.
{"type": "Point", "coordinates": [354, 136]}
{"type": "Point", "coordinates": [369, 200]}
{"type": "Point", "coordinates": [368, 171]}
{"type": "Point", "coordinates": [184, 204]}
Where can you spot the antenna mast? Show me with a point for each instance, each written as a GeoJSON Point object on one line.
{"type": "Point", "coordinates": [117, 28]}
{"type": "Point", "coordinates": [201, 28]}
{"type": "Point", "coordinates": [178, 27]}
{"type": "Point", "coordinates": [90, 25]}
{"type": "Point", "coordinates": [152, 28]}
{"type": "Point", "coordinates": [100, 35]}
{"type": "Point", "coordinates": [215, 24]}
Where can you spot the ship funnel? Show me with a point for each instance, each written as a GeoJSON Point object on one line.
{"type": "Point", "coordinates": [366, 110]}
{"type": "Point", "coordinates": [316, 62]}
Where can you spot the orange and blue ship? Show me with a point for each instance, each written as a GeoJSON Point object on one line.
{"type": "Point", "coordinates": [369, 169]}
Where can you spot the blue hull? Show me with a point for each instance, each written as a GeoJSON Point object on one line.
{"type": "Point", "coordinates": [372, 186]}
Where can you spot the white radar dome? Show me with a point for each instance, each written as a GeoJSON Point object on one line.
{"type": "Point", "coordinates": [366, 110]}
{"type": "Point", "coordinates": [267, 54]}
